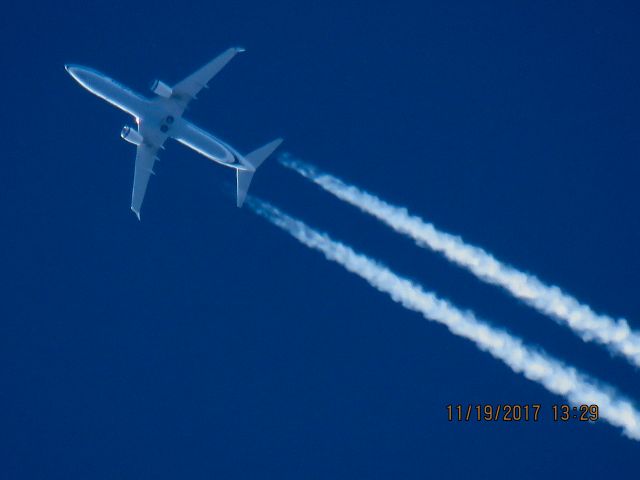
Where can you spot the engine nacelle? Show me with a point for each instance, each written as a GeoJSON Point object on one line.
{"type": "Point", "coordinates": [161, 88]}
{"type": "Point", "coordinates": [131, 135]}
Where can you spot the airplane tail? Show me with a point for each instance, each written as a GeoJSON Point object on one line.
{"type": "Point", "coordinates": [253, 160]}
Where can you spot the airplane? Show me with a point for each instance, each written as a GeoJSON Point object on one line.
{"type": "Point", "coordinates": [160, 117]}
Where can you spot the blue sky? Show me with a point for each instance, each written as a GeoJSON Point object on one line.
{"type": "Point", "coordinates": [202, 342]}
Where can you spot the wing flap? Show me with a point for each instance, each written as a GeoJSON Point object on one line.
{"type": "Point", "coordinates": [187, 89]}
{"type": "Point", "coordinates": [145, 159]}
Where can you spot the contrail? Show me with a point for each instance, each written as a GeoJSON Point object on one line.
{"type": "Point", "coordinates": [549, 300]}
{"type": "Point", "coordinates": [534, 365]}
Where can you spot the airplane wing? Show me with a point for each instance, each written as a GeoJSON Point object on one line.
{"type": "Point", "coordinates": [145, 159]}
{"type": "Point", "coordinates": [187, 89]}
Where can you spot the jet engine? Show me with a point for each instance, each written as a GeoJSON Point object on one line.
{"type": "Point", "coordinates": [161, 88]}
{"type": "Point", "coordinates": [131, 135]}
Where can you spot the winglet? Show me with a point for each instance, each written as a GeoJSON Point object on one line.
{"type": "Point", "coordinates": [240, 49]}
{"type": "Point", "coordinates": [136, 212]}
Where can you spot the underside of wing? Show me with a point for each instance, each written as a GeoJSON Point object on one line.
{"type": "Point", "coordinates": [145, 159]}
{"type": "Point", "coordinates": [186, 90]}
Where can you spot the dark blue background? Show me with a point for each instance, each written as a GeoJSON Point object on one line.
{"type": "Point", "coordinates": [204, 343]}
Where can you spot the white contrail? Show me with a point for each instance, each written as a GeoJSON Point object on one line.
{"type": "Point", "coordinates": [549, 300]}
{"type": "Point", "coordinates": [535, 365]}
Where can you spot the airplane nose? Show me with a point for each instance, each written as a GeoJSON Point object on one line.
{"type": "Point", "coordinates": [75, 71]}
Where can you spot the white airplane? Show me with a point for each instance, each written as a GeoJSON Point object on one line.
{"type": "Point", "coordinates": [160, 117]}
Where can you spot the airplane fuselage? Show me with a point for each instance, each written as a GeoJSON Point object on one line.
{"type": "Point", "coordinates": [161, 121]}
{"type": "Point", "coordinates": [161, 117]}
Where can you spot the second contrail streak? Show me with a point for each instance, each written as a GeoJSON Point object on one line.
{"type": "Point", "coordinates": [536, 366]}
{"type": "Point", "coordinates": [547, 299]}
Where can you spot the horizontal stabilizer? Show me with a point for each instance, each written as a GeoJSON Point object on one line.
{"type": "Point", "coordinates": [253, 160]}
{"type": "Point", "coordinates": [243, 178]}
{"type": "Point", "coordinates": [258, 156]}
